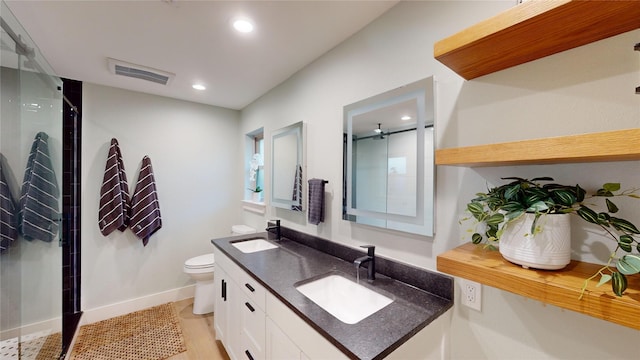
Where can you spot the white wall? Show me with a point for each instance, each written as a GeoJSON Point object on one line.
{"type": "Point", "coordinates": [588, 89]}
{"type": "Point", "coordinates": [191, 147]}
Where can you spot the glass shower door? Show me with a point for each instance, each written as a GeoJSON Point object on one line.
{"type": "Point", "coordinates": [31, 164]}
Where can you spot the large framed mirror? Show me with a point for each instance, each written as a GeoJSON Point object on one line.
{"type": "Point", "coordinates": [287, 167]}
{"type": "Point", "coordinates": [388, 160]}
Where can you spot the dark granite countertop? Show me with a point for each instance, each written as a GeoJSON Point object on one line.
{"type": "Point", "coordinates": [420, 299]}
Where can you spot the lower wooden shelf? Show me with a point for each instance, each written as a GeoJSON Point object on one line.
{"type": "Point", "coordinates": [616, 145]}
{"type": "Point", "coordinates": [557, 287]}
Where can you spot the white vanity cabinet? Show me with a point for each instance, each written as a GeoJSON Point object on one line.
{"type": "Point", "coordinates": [253, 324]}
{"type": "Point", "coordinates": [239, 318]}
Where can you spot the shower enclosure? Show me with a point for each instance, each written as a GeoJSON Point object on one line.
{"type": "Point", "coordinates": [36, 225]}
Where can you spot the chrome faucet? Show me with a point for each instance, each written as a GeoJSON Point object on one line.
{"type": "Point", "coordinates": [274, 225]}
{"type": "Point", "coordinates": [369, 258]}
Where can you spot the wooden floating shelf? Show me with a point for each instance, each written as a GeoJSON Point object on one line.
{"type": "Point", "coordinates": [558, 287]}
{"type": "Point", "coordinates": [619, 145]}
{"type": "Point", "coordinates": [533, 30]}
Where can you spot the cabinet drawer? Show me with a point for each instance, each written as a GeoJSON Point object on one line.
{"type": "Point", "coordinates": [278, 345]}
{"type": "Point", "coordinates": [255, 292]}
{"type": "Point", "coordinates": [308, 340]}
{"type": "Point", "coordinates": [252, 337]}
{"type": "Point", "coordinates": [225, 263]}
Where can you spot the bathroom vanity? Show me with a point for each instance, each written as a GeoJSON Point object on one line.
{"type": "Point", "coordinates": [262, 313]}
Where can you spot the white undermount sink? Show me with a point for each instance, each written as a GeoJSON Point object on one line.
{"type": "Point", "coordinates": [345, 299]}
{"type": "Point", "coordinates": [253, 245]}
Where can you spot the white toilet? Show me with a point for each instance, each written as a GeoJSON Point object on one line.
{"type": "Point", "coordinates": [200, 268]}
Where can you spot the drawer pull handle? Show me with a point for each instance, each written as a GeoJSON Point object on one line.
{"type": "Point", "coordinates": [224, 290]}
{"type": "Point", "coordinates": [248, 354]}
{"type": "Point", "coordinates": [250, 287]}
{"type": "Point", "coordinates": [250, 307]}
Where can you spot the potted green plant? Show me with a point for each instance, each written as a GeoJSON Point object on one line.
{"type": "Point", "coordinates": [505, 207]}
{"type": "Point", "coordinates": [255, 193]}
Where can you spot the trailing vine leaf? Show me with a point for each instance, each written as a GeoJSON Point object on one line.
{"type": "Point", "coordinates": [542, 178]}
{"type": "Point", "coordinates": [538, 207]}
{"type": "Point", "coordinates": [512, 215]}
{"type": "Point", "coordinates": [629, 264]}
{"type": "Point", "coordinates": [627, 268]}
{"type": "Point", "coordinates": [611, 207]}
{"type": "Point", "coordinates": [476, 238]}
{"type": "Point", "coordinates": [604, 279]}
{"type": "Point", "coordinates": [603, 219]}
{"type": "Point", "coordinates": [625, 247]}
{"type": "Point", "coordinates": [588, 215]}
{"type": "Point", "coordinates": [626, 239]}
{"type": "Point", "coordinates": [618, 283]}
{"type": "Point", "coordinates": [611, 187]}
{"type": "Point", "coordinates": [604, 193]}
{"type": "Point", "coordinates": [512, 206]}
{"type": "Point", "coordinates": [633, 260]}
{"type": "Point", "coordinates": [564, 197]}
{"type": "Point", "coordinates": [624, 225]}
{"type": "Point", "coordinates": [580, 193]}
{"type": "Point", "coordinates": [511, 192]}
{"type": "Point", "coordinates": [476, 209]}
{"type": "Point", "coordinates": [494, 219]}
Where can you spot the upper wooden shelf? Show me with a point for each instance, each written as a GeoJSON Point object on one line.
{"type": "Point", "coordinates": [619, 145]}
{"type": "Point", "coordinates": [533, 30]}
{"type": "Point", "coordinates": [557, 287]}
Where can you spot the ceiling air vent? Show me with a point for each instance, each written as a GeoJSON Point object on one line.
{"type": "Point", "coordinates": [119, 67]}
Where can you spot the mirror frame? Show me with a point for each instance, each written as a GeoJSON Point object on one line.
{"type": "Point", "coordinates": [297, 131]}
{"type": "Point", "coordinates": [422, 223]}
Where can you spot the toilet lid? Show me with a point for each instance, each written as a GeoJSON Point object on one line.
{"type": "Point", "coordinates": [201, 261]}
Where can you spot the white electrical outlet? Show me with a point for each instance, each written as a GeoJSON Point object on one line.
{"type": "Point", "coordinates": [471, 295]}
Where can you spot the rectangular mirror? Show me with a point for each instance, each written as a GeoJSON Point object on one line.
{"type": "Point", "coordinates": [388, 159]}
{"type": "Point", "coordinates": [287, 164]}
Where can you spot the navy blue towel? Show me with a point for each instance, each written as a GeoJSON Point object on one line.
{"type": "Point", "coordinates": [316, 201]}
{"type": "Point", "coordinates": [114, 194]}
{"type": "Point", "coordinates": [145, 208]}
{"type": "Point", "coordinates": [39, 215]}
{"type": "Point", "coordinates": [8, 215]}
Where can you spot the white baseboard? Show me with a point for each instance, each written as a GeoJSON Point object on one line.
{"type": "Point", "coordinates": [90, 316]}
{"type": "Point", "coordinates": [43, 327]}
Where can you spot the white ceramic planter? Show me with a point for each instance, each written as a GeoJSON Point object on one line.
{"type": "Point", "coordinates": [550, 249]}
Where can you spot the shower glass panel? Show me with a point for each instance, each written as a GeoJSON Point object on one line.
{"type": "Point", "coordinates": [31, 163]}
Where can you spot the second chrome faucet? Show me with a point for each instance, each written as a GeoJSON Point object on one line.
{"type": "Point", "coordinates": [370, 260]}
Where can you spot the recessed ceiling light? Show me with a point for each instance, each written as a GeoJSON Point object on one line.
{"type": "Point", "coordinates": [243, 25]}
{"type": "Point", "coordinates": [199, 87]}
{"type": "Point", "coordinates": [405, 118]}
